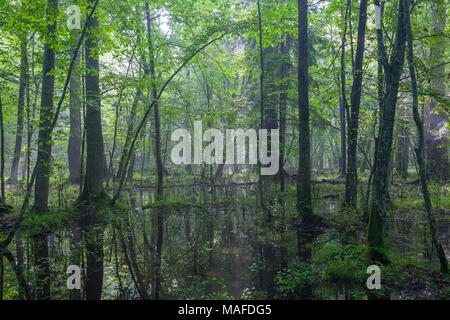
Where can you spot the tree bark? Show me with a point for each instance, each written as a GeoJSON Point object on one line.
{"type": "Point", "coordinates": [377, 209]}
{"type": "Point", "coordinates": [420, 147]}
{"type": "Point", "coordinates": [351, 181]}
{"type": "Point", "coordinates": [437, 139]}
{"type": "Point", "coordinates": [74, 147]}
{"type": "Point", "coordinates": [343, 105]}
{"type": "Point", "coordinates": [44, 152]}
{"type": "Point", "coordinates": [95, 159]}
{"type": "Point", "coordinates": [23, 83]}
{"type": "Point", "coordinates": [402, 150]}
{"type": "Point", "coordinates": [129, 136]}
{"type": "Point", "coordinates": [285, 66]}
{"type": "Point", "coordinates": [159, 164]}
{"type": "Point", "coordinates": [304, 205]}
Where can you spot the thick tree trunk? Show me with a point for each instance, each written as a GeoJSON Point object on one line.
{"type": "Point", "coordinates": [355, 101]}
{"type": "Point", "coordinates": [44, 152]}
{"type": "Point", "coordinates": [95, 159]}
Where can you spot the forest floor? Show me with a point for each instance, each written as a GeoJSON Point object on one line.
{"type": "Point", "coordinates": [227, 267]}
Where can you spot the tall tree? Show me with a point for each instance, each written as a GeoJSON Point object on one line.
{"type": "Point", "coordinates": [43, 165]}
{"type": "Point", "coordinates": [93, 191]}
{"type": "Point", "coordinates": [132, 120]}
{"type": "Point", "coordinates": [420, 145]}
{"type": "Point", "coordinates": [2, 164]}
{"type": "Point", "coordinates": [284, 78]}
{"type": "Point", "coordinates": [402, 145]}
{"type": "Point", "coordinates": [74, 147]}
{"type": "Point", "coordinates": [343, 104]}
{"type": "Point", "coordinates": [437, 137]}
{"type": "Point", "coordinates": [23, 83]}
{"type": "Point", "coordinates": [159, 164]}
{"type": "Point", "coordinates": [392, 68]}
{"type": "Point", "coordinates": [355, 102]}
{"type": "Point", "coordinates": [304, 204]}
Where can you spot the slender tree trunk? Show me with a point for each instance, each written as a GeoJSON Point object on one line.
{"type": "Point", "coordinates": [285, 66]}
{"type": "Point", "coordinates": [343, 105]}
{"type": "Point", "coordinates": [343, 158]}
{"type": "Point", "coordinates": [2, 168]}
{"type": "Point", "coordinates": [304, 205]}
{"type": "Point", "coordinates": [131, 167]}
{"type": "Point", "coordinates": [377, 208]}
{"type": "Point", "coordinates": [23, 83]}
{"type": "Point", "coordinates": [130, 129]}
{"type": "Point", "coordinates": [438, 138]}
{"type": "Point", "coordinates": [159, 164]}
{"type": "Point", "coordinates": [74, 147]}
{"type": "Point", "coordinates": [402, 159]}
{"type": "Point", "coordinates": [116, 124]}
{"type": "Point", "coordinates": [420, 147]}
{"type": "Point", "coordinates": [355, 101]}
{"type": "Point", "coordinates": [44, 152]}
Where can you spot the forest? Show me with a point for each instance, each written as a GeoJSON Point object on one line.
{"type": "Point", "coordinates": [224, 150]}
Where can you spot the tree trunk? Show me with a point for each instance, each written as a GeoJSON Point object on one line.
{"type": "Point", "coordinates": [93, 185]}
{"type": "Point", "coordinates": [159, 164]}
{"type": "Point", "coordinates": [377, 208]}
{"type": "Point", "coordinates": [2, 169]}
{"type": "Point", "coordinates": [402, 150]}
{"type": "Point", "coordinates": [44, 152]}
{"type": "Point", "coordinates": [437, 140]}
{"type": "Point", "coordinates": [131, 167]}
{"type": "Point", "coordinates": [23, 83]}
{"type": "Point", "coordinates": [285, 66]}
{"type": "Point", "coordinates": [420, 148]}
{"type": "Point", "coordinates": [129, 136]}
{"type": "Point", "coordinates": [343, 105]}
{"type": "Point", "coordinates": [304, 205]}
{"type": "Point", "coordinates": [351, 181]}
{"type": "Point", "coordinates": [74, 147]}
{"type": "Point", "coordinates": [284, 74]}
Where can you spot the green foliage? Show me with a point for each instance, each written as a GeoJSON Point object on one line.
{"type": "Point", "coordinates": [297, 277]}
